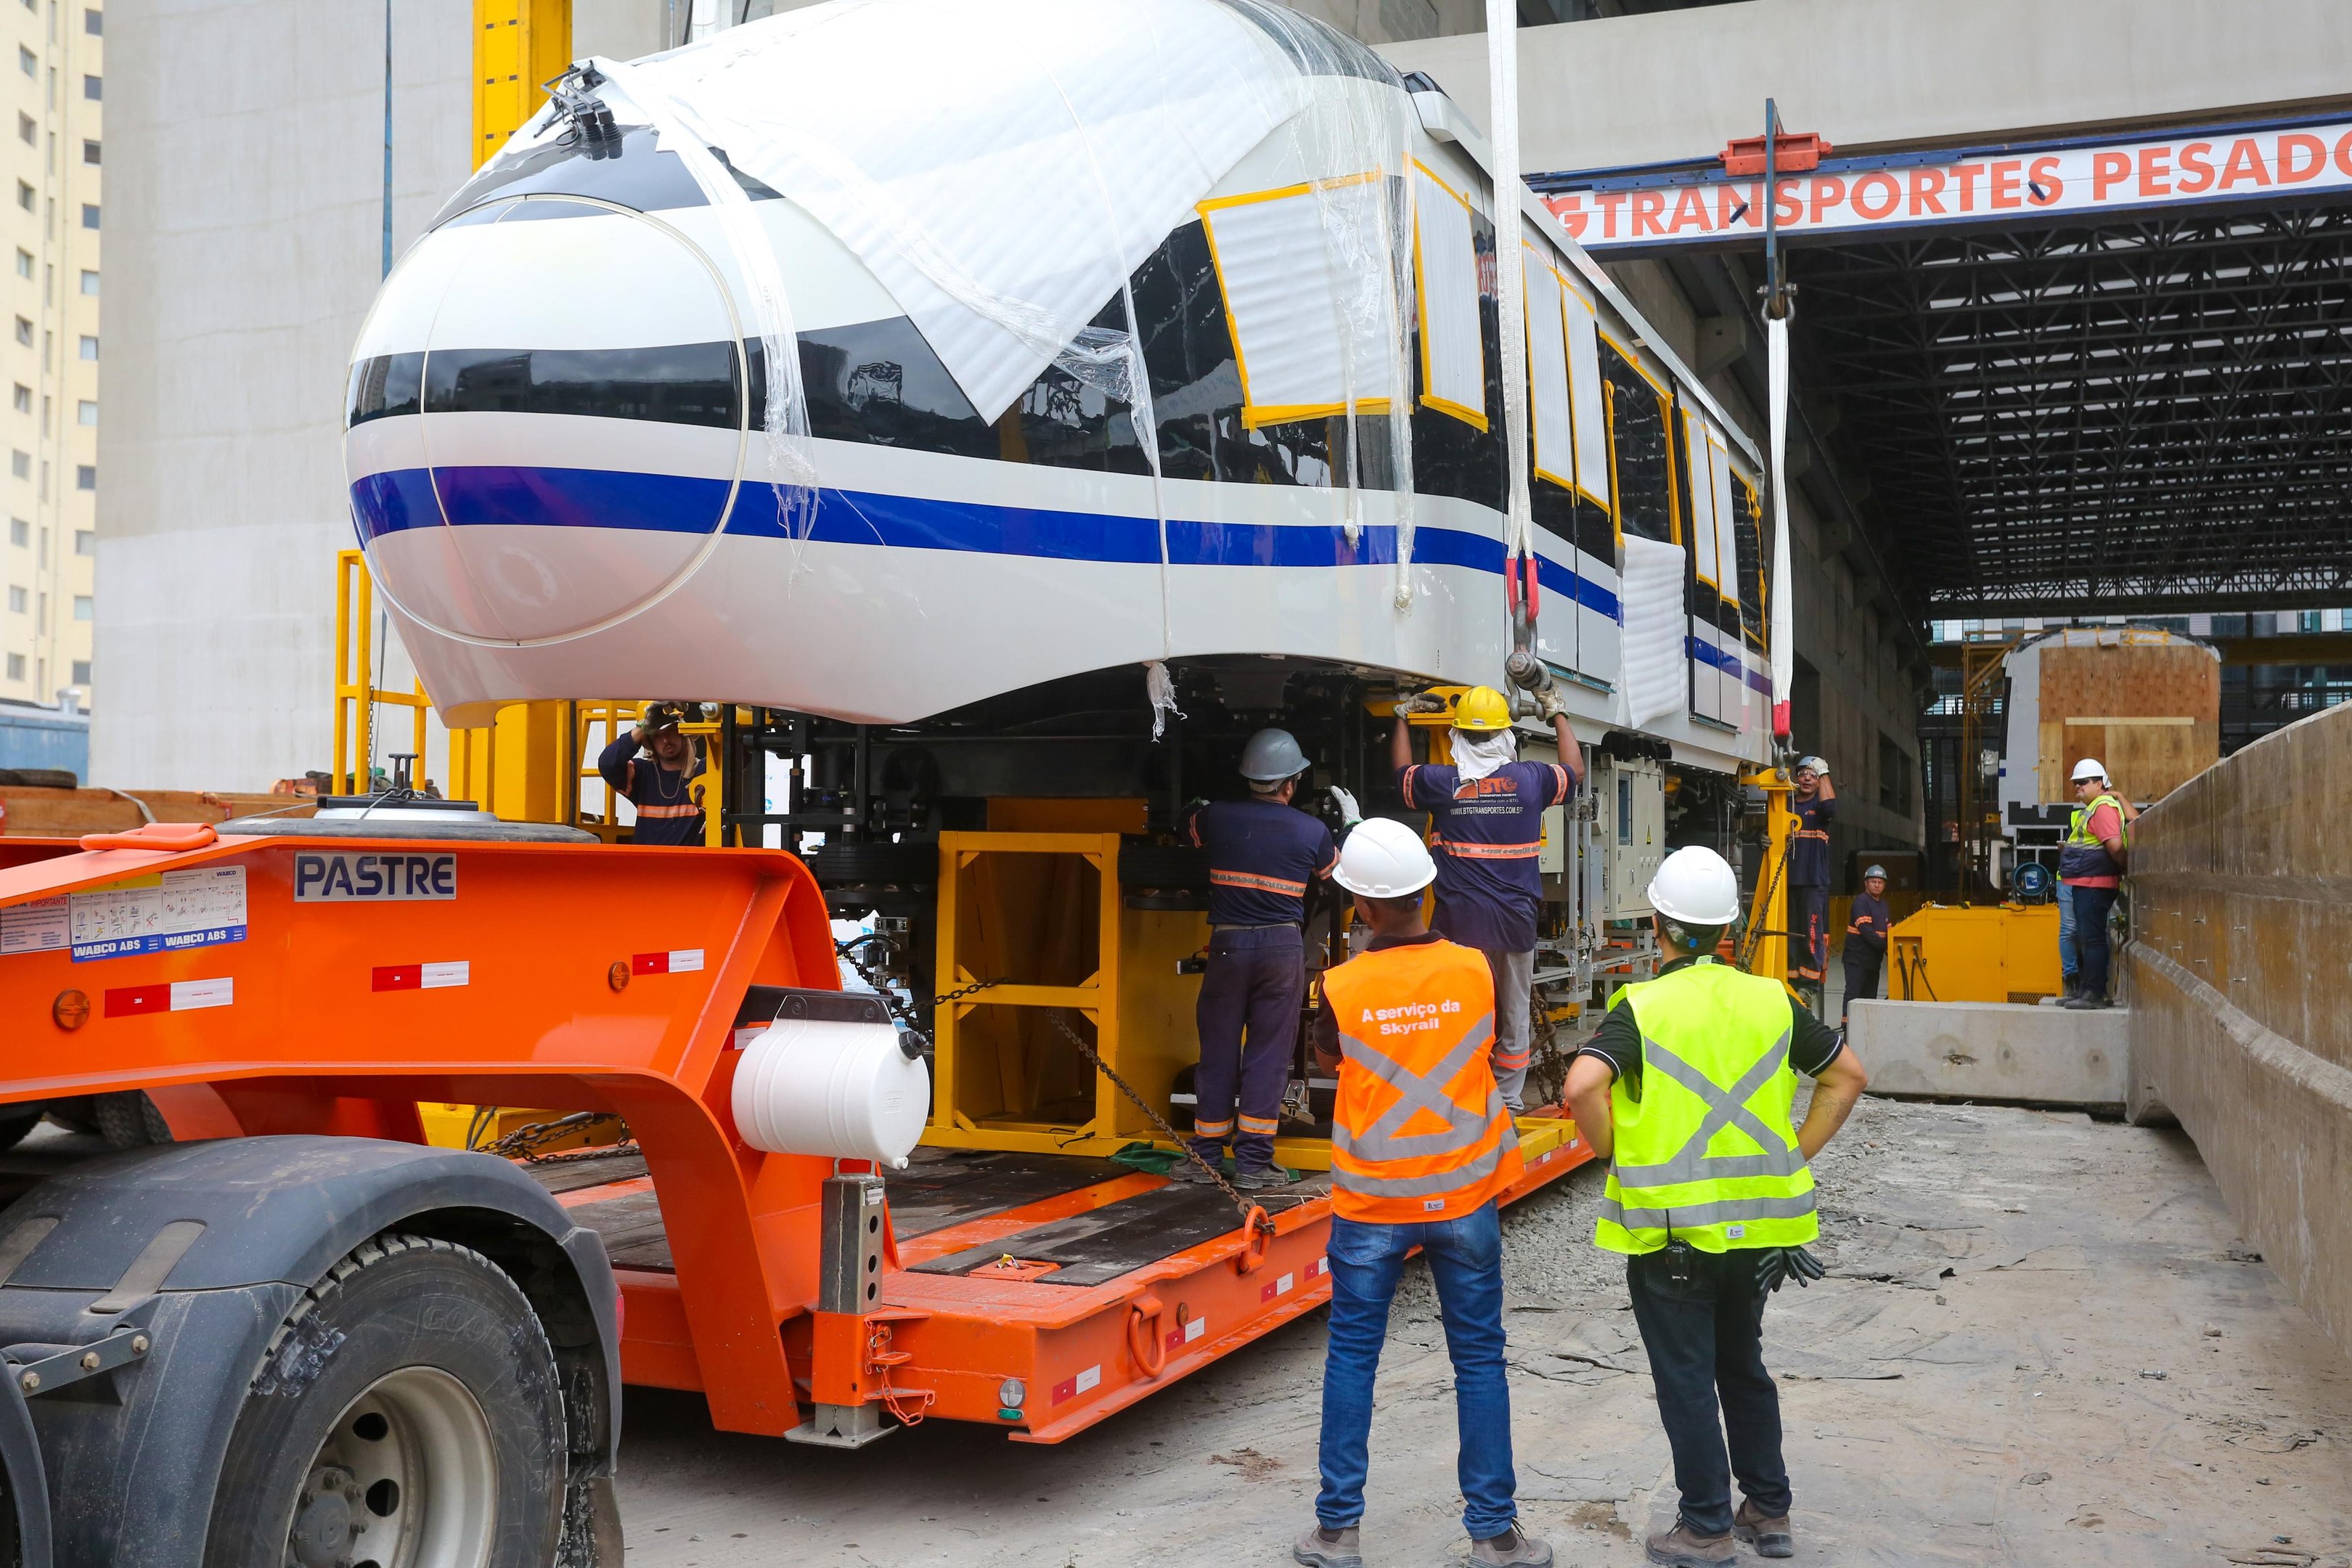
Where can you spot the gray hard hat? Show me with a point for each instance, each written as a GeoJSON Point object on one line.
{"type": "Point", "coordinates": [1271, 756]}
{"type": "Point", "coordinates": [1878, 871]}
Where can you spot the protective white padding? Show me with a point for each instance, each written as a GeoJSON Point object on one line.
{"type": "Point", "coordinates": [1727, 519]}
{"type": "Point", "coordinates": [1308, 342]}
{"type": "Point", "coordinates": [1657, 678]}
{"type": "Point", "coordinates": [1024, 158]}
{"type": "Point", "coordinates": [1554, 438]}
{"type": "Point", "coordinates": [1452, 347]}
{"type": "Point", "coordinates": [1585, 398]}
{"type": "Point", "coordinates": [1700, 485]}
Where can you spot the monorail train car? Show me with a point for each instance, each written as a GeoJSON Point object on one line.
{"type": "Point", "coordinates": [939, 380]}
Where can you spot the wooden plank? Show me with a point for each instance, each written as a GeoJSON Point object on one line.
{"type": "Point", "coordinates": [69, 813]}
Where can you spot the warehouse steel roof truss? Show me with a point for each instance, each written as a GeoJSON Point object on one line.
{"type": "Point", "coordinates": [2146, 416]}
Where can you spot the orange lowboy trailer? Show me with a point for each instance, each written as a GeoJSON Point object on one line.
{"type": "Point", "coordinates": [332, 982]}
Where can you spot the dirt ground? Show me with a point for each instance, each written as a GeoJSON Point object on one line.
{"type": "Point", "coordinates": [2042, 1342]}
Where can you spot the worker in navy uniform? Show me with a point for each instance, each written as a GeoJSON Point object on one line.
{"type": "Point", "coordinates": [1485, 816]}
{"type": "Point", "coordinates": [1263, 854]}
{"type": "Point", "coordinates": [655, 767]}
{"type": "Point", "coordinates": [1809, 875]}
{"type": "Point", "coordinates": [1865, 940]}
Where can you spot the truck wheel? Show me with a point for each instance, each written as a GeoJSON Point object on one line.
{"type": "Point", "coordinates": [128, 1120]}
{"type": "Point", "coordinates": [407, 1416]}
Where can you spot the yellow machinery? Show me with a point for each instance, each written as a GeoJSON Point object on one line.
{"type": "Point", "coordinates": [1765, 947]}
{"type": "Point", "coordinates": [1975, 952]}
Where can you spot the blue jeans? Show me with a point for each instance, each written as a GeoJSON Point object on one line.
{"type": "Point", "coordinates": [2069, 964]}
{"type": "Point", "coordinates": [2092, 906]}
{"type": "Point", "coordinates": [1465, 1257]}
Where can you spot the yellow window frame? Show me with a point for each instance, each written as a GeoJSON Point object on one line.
{"type": "Point", "coordinates": [1475, 417]}
{"type": "Point", "coordinates": [1567, 373]}
{"type": "Point", "coordinates": [1608, 420]}
{"type": "Point", "coordinates": [1256, 415]}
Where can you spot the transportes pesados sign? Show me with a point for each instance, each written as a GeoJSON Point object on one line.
{"type": "Point", "coordinates": [1858, 195]}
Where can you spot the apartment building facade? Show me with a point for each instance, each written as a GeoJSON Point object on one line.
{"type": "Point", "coordinates": [49, 229]}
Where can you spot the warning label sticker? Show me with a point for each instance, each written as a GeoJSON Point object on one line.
{"type": "Point", "coordinates": [36, 927]}
{"type": "Point", "coordinates": [164, 913]}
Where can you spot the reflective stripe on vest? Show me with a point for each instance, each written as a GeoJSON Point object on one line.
{"type": "Point", "coordinates": [1709, 1152]}
{"type": "Point", "coordinates": [2081, 854]}
{"type": "Point", "coordinates": [667, 811]}
{"type": "Point", "coordinates": [1418, 1128]}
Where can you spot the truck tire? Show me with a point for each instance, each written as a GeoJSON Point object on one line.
{"type": "Point", "coordinates": [406, 1414]}
{"type": "Point", "coordinates": [128, 1120]}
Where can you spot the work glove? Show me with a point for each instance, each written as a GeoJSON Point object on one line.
{"type": "Point", "coordinates": [1549, 704]}
{"type": "Point", "coordinates": [1421, 702]}
{"type": "Point", "coordinates": [1350, 813]}
{"type": "Point", "coordinates": [1775, 1264]}
{"type": "Point", "coordinates": [1816, 764]}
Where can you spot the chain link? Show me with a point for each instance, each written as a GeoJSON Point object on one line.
{"type": "Point", "coordinates": [1183, 1144]}
{"type": "Point", "coordinates": [848, 949]}
{"type": "Point", "coordinates": [525, 1141]}
{"type": "Point", "coordinates": [904, 1010]}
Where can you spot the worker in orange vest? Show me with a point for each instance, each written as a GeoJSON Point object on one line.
{"type": "Point", "coordinates": [1421, 1147]}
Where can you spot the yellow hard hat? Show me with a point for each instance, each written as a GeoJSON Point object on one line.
{"type": "Point", "coordinates": [1482, 708]}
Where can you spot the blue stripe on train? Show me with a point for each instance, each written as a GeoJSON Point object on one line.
{"type": "Point", "coordinates": [1730, 664]}
{"type": "Point", "coordinates": [669, 503]}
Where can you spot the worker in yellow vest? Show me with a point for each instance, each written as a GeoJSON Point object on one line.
{"type": "Point", "coordinates": [1421, 1147]}
{"type": "Point", "coordinates": [1687, 1090]}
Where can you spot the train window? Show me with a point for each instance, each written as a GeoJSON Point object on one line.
{"type": "Point", "coordinates": [675, 384]}
{"type": "Point", "coordinates": [1196, 386]}
{"type": "Point", "coordinates": [1451, 457]}
{"type": "Point", "coordinates": [1638, 442]}
{"type": "Point", "coordinates": [880, 383]}
{"type": "Point", "coordinates": [384, 385]}
{"type": "Point", "coordinates": [1750, 509]}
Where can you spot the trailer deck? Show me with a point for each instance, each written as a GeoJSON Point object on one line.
{"type": "Point", "coordinates": [1085, 1277]}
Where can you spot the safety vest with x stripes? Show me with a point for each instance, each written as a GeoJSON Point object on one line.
{"type": "Point", "coordinates": [1708, 1154]}
{"type": "Point", "coordinates": [1418, 1128]}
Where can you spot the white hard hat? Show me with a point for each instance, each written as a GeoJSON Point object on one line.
{"type": "Point", "coordinates": [2090, 768]}
{"type": "Point", "coordinates": [1383, 858]}
{"type": "Point", "coordinates": [1696, 887]}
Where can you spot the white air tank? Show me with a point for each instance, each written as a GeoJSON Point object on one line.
{"type": "Point", "coordinates": [839, 1091]}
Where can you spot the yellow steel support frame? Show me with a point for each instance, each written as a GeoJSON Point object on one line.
{"type": "Point", "coordinates": [519, 45]}
{"type": "Point", "coordinates": [357, 696]}
{"type": "Point", "coordinates": [1095, 998]}
{"type": "Point", "coordinates": [1767, 949]}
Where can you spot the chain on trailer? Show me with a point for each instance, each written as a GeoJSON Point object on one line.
{"type": "Point", "coordinates": [1254, 1218]}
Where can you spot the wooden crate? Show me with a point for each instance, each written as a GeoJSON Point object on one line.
{"type": "Point", "coordinates": [2150, 712]}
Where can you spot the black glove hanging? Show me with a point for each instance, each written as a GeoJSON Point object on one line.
{"type": "Point", "coordinates": [1775, 1265]}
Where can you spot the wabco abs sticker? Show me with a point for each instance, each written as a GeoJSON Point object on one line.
{"type": "Point", "coordinates": [158, 913]}
{"type": "Point", "coordinates": [323, 876]}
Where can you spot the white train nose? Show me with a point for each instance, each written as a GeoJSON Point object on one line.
{"type": "Point", "coordinates": [547, 419]}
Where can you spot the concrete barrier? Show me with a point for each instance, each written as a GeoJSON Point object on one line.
{"type": "Point", "coordinates": [1992, 1050]}
{"type": "Point", "coordinates": [2241, 994]}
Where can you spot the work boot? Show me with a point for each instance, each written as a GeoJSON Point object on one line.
{"type": "Point", "coordinates": [1258, 1178]}
{"type": "Point", "coordinates": [1513, 1546]}
{"type": "Point", "coordinates": [1683, 1547]}
{"type": "Point", "coordinates": [1321, 1548]}
{"type": "Point", "coordinates": [1770, 1537]}
{"type": "Point", "coordinates": [1186, 1169]}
